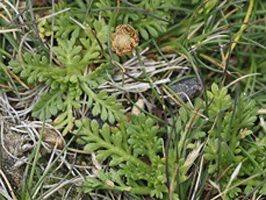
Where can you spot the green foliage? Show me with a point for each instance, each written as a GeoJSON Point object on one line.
{"type": "Point", "coordinates": [144, 159]}
{"type": "Point", "coordinates": [37, 68]}
{"type": "Point", "coordinates": [5, 76]}
{"type": "Point", "coordinates": [220, 100]}
{"type": "Point", "coordinates": [185, 134]}
{"type": "Point", "coordinates": [65, 92]}
{"type": "Point", "coordinates": [149, 26]}
{"type": "Point", "coordinates": [83, 47]}
{"type": "Point", "coordinates": [104, 105]}
{"type": "Point", "coordinates": [229, 140]}
{"type": "Point", "coordinates": [135, 150]}
{"type": "Point", "coordinates": [49, 105]}
{"type": "Point", "coordinates": [134, 147]}
{"type": "Point", "coordinates": [67, 75]}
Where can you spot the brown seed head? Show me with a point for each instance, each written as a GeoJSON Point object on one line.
{"type": "Point", "coordinates": [124, 40]}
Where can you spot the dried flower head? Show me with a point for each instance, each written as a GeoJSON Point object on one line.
{"type": "Point", "coordinates": [124, 40]}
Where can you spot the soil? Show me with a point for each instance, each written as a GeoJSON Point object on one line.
{"type": "Point", "coordinates": [14, 151]}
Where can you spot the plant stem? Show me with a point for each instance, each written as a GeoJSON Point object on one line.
{"type": "Point", "coordinates": [241, 30]}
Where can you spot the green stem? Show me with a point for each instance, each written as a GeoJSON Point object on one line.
{"type": "Point", "coordinates": [36, 158]}
{"type": "Point", "coordinates": [141, 190]}
{"type": "Point", "coordinates": [87, 90]}
{"type": "Point", "coordinates": [252, 160]}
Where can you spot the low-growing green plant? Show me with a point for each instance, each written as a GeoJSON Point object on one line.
{"type": "Point", "coordinates": [150, 18]}
{"type": "Point", "coordinates": [208, 148]}
{"type": "Point", "coordinates": [75, 49]}
{"type": "Point", "coordinates": [135, 149]}
{"type": "Point", "coordinates": [231, 140]}
{"type": "Point", "coordinates": [67, 79]}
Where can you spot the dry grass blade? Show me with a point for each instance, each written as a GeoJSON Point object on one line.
{"type": "Point", "coordinates": [9, 187]}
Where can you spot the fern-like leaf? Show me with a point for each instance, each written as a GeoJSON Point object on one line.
{"type": "Point", "coordinates": [142, 142]}
{"type": "Point", "coordinates": [64, 27]}
{"type": "Point", "coordinates": [67, 52]}
{"type": "Point", "coordinates": [219, 98]}
{"type": "Point", "coordinates": [231, 127]}
{"type": "Point", "coordinates": [104, 104]}
{"type": "Point", "coordinates": [48, 105]}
